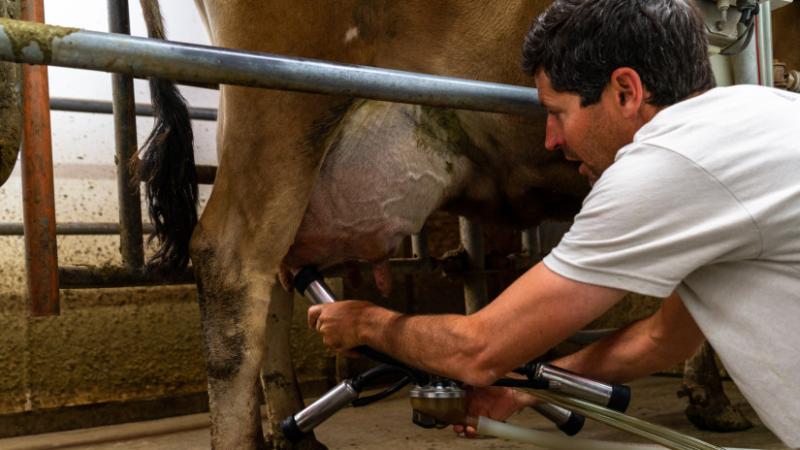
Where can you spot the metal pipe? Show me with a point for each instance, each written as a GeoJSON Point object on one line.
{"type": "Point", "coordinates": [475, 292]}
{"type": "Point", "coordinates": [72, 229]}
{"type": "Point", "coordinates": [745, 64]}
{"type": "Point", "coordinates": [87, 277]}
{"type": "Point", "coordinates": [531, 243]}
{"type": "Point", "coordinates": [319, 411]}
{"type": "Point", "coordinates": [103, 107]}
{"type": "Point", "coordinates": [70, 47]}
{"type": "Point", "coordinates": [419, 244]}
{"type": "Point", "coordinates": [39, 211]}
{"type": "Point", "coordinates": [206, 174]}
{"type": "Point", "coordinates": [128, 196]}
{"type": "Point", "coordinates": [764, 43]}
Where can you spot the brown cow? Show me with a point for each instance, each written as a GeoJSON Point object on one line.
{"type": "Point", "coordinates": [309, 179]}
{"type": "Point", "coordinates": [271, 148]}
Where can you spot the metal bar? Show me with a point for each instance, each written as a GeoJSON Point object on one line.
{"type": "Point", "coordinates": [745, 63]}
{"type": "Point", "coordinates": [531, 244]}
{"type": "Point", "coordinates": [72, 229]}
{"type": "Point", "coordinates": [103, 107]}
{"type": "Point", "coordinates": [764, 35]}
{"type": "Point", "coordinates": [70, 47]}
{"type": "Point", "coordinates": [475, 292]}
{"type": "Point", "coordinates": [87, 277]}
{"type": "Point", "coordinates": [419, 244]}
{"type": "Point", "coordinates": [131, 246]}
{"type": "Point", "coordinates": [206, 174]}
{"type": "Point", "coordinates": [39, 213]}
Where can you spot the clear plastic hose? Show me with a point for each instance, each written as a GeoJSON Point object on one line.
{"type": "Point", "coordinates": [554, 441]}
{"type": "Point", "coordinates": [544, 439]}
{"type": "Point", "coordinates": [655, 433]}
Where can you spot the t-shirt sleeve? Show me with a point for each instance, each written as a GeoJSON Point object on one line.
{"type": "Point", "coordinates": [652, 219]}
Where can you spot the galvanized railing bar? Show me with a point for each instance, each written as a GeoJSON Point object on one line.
{"type": "Point", "coordinates": [104, 107]}
{"type": "Point", "coordinates": [69, 47]}
{"type": "Point", "coordinates": [131, 245]}
{"type": "Point", "coordinates": [73, 229]}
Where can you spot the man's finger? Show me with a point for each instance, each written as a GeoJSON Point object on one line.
{"type": "Point", "coordinates": [313, 316]}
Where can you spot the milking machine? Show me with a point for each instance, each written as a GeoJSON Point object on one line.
{"type": "Point", "coordinates": [565, 398]}
{"type": "Point", "coordinates": [438, 401]}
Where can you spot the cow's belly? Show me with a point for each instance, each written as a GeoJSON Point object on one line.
{"type": "Point", "coordinates": [388, 167]}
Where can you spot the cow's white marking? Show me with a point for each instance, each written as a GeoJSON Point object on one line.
{"type": "Point", "coordinates": [351, 34]}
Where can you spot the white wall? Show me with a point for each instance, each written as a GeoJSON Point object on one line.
{"type": "Point", "coordinates": [83, 144]}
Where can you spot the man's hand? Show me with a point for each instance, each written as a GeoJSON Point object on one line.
{"type": "Point", "coordinates": [497, 403]}
{"type": "Point", "coordinates": [339, 323]}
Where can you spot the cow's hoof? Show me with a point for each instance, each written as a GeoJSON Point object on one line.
{"type": "Point", "coordinates": [307, 443]}
{"type": "Point", "coordinates": [721, 418]}
{"type": "Point", "coordinates": [310, 443]}
{"type": "Point", "coordinates": [710, 409]}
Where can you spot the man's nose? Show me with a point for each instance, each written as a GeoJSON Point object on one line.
{"type": "Point", "coordinates": [553, 139]}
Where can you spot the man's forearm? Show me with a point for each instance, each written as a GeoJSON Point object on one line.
{"type": "Point", "coordinates": [640, 349]}
{"type": "Point", "coordinates": [443, 344]}
{"type": "Point", "coordinates": [537, 311]}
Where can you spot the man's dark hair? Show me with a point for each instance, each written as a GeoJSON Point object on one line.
{"type": "Point", "coordinates": [579, 43]}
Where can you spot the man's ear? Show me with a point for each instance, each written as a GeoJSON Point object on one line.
{"type": "Point", "coordinates": [628, 91]}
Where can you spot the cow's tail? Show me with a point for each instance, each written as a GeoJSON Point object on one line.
{"type": "Point", "coordinates": [166, 164]}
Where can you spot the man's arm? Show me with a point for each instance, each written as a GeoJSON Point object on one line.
{"type": "Point", "coordinates": [539, 310]}
{"type": "Point", "coordinates": [668, 337]}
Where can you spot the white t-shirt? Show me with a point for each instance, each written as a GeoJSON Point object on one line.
{"type": "Point", "coordinates": [706, 200]}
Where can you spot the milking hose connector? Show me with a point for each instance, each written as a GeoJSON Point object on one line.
{"type": "Point", "coordinates": [347, 392]}
{"type": "Point", "coordinates": [613, 396]}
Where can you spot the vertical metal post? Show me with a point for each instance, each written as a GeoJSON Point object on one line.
{"type": "Point", "coordinates": [764, 43]}
{"type": "Point", "coordinates": [130, 213]}
{"type": "Point", "coordinates": [745, 64]}
{"type": "Point", "coordinates": [419, 244]}
{"type": "Point", "coordinates": [531, 242]}
{"type": "Point", "coordinates": [475, 293]}
{"type": "Point", "coordinates": [39, 211]}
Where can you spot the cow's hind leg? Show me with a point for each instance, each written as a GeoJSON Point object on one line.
{"type": "Point", "coordinates": [709, 407]}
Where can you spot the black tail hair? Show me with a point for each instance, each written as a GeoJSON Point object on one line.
{"type": "Point", "coordinates": [166, 164]}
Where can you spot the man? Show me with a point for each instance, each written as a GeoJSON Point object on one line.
{"type": "Point", "coordinates": [695, 198]}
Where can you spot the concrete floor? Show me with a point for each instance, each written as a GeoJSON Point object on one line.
{"type": "Point", "coordinates": [387, 425]}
